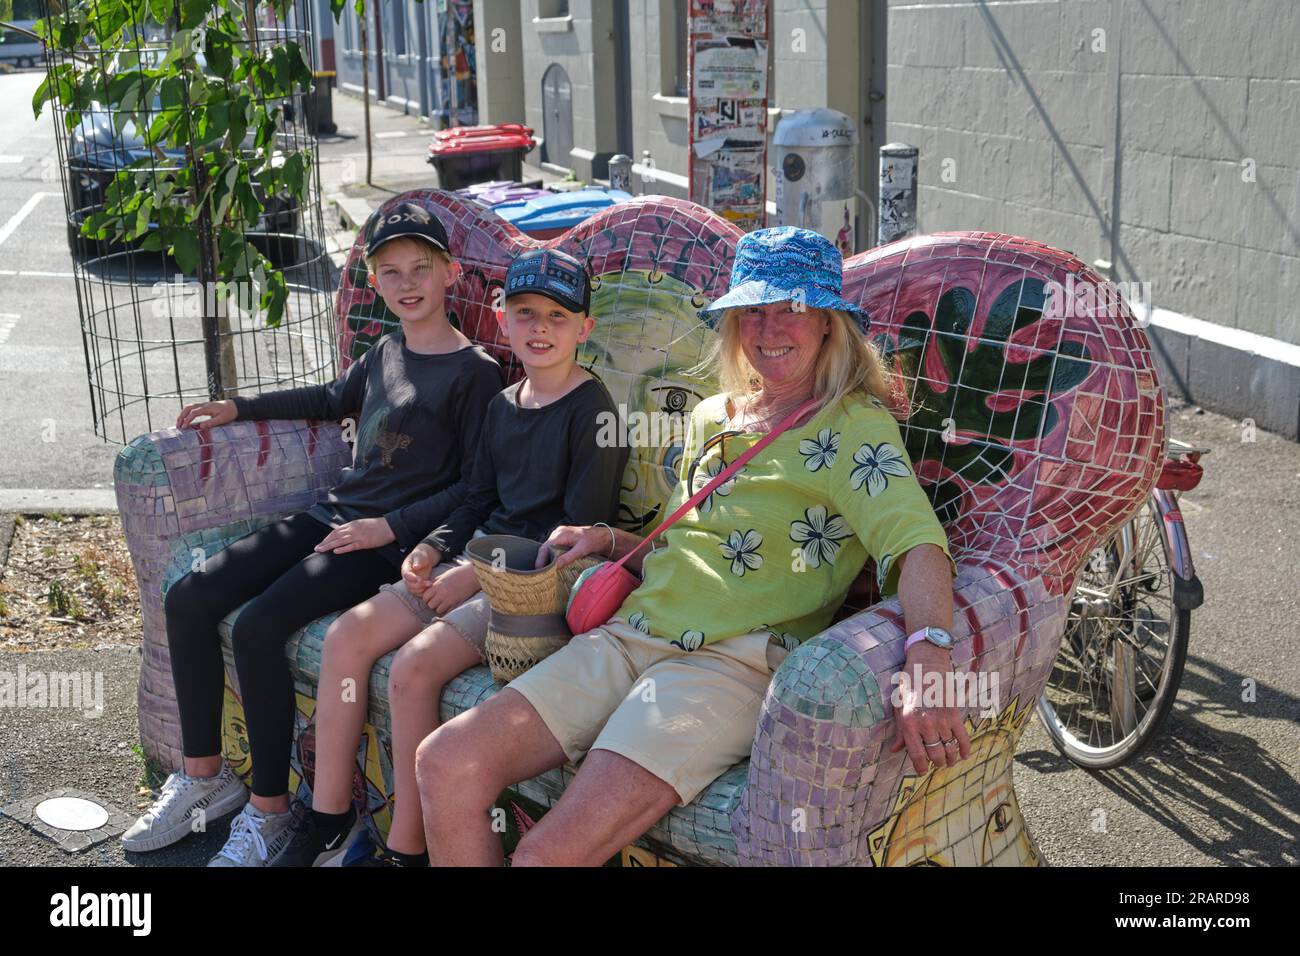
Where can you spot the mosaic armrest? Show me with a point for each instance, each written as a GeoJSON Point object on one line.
{"type": "Point", "coordinates": [822, 779]}
{"type": "Point", "coordinates": [177, 487]}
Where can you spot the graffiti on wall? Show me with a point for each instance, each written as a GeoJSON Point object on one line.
{"type": "Point", "coordinates": [728, 49]}
{"type": "Point", "coordinates": [457, 89]}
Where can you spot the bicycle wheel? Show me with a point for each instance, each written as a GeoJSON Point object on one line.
{"type": "Point", "coordinates": [1121, 658]}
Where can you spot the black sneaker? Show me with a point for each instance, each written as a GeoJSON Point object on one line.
{"type": "Point", "coordinates": [312, 845]}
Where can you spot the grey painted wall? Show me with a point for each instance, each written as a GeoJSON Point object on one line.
{"type": "Point", "coordinates": [1019, 107]}
{"type": "Point", "coordinates": [583, 44]}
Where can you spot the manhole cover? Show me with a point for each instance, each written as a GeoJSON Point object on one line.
{"type": "Point", "coordinates": [71, 813]}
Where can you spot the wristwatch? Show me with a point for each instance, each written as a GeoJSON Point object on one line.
{"type": "Point", "coordinates": [935, 635]}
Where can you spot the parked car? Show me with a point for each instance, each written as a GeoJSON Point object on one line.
{"type": "Point", "coordinates": [97, 152]}
{"type": "Point", "coordinates": [18, 48]}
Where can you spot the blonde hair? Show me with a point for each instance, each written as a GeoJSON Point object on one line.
{"type": "Point", "coordinates": [847, 363]}
{"type": "Point", "coordinates": [428, 249]}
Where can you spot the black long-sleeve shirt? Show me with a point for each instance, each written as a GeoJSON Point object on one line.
{"type": "Point", "coordinates": [538, 468]}
{"type": "Point", "coordinates": [416, 434]}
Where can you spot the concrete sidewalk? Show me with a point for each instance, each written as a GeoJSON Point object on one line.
{"type": "Point", "coordinates": [400, 147]}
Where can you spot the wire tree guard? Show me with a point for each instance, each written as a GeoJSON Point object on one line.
{"type": "Point", "coordinates": [192, 194]}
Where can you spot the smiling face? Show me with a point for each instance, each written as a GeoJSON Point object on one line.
{"type": "Point", "coordinates": [542, 333]}
{"type": "Point", "coordinates": [782, 341]}
{"type": "Point", "coordinates": [413, 278]}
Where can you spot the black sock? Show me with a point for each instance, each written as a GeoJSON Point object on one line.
{"type": "Point", "coordinates": [333, 824]}
{"type": "Point", "coordinates": [410, 859]}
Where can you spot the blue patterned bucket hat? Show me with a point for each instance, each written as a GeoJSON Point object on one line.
{"type": "Point", "coordinates": [784, 264]}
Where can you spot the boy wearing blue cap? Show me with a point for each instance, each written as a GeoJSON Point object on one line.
{"type": "Point", "coordinates": [419, 396]}
{"type": "Point", "coordinates": [539, 465]}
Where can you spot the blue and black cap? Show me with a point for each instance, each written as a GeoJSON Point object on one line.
{"type": "Point", "coordinates": [554, 274]}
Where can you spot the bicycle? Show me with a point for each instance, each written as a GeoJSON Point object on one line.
{"type": "Point", "coordinates": [1121, 659]}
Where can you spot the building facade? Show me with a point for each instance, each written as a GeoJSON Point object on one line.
{"type": "Point", "coordinates": [422, 57]}
{"type": "Point", "coordinates": [1157, 140]}
{"type": "Point", "coordinates": [600, 77]}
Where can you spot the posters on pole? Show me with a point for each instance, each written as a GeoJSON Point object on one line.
{"type": "Point", "coordinates": [728, 47]}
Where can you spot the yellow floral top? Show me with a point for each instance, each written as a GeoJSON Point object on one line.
{"type": "Point", "coordinates": [777, 545]}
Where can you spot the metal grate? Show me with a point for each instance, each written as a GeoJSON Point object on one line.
{"type": "Point", "coordinates": [155, 337]}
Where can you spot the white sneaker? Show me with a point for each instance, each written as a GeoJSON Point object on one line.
{"type": "Point", "coordinates": [257, 838]}
{"type": "Point", "coordinates": [182, 798]}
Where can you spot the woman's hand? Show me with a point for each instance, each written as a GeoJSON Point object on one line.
{"type": "Point", "coordinates": [451, 589]}
{"type": "Point", "coordinates": [418, 567]}
{"type": "Point", "coordinates": [357, 536]}
{"type": "Point", "coordinates": [213, 413]}
{"type": "Point", "coordinates": [930, 734]}
{"type": "Point", "coordinates": [580, 541]}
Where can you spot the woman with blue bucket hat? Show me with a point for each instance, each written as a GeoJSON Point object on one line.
{"type": "Point", "coordinates": [754, 568]}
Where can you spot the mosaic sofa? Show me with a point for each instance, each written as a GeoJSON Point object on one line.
{"type": "Point", "coordinates": [1037, 426]}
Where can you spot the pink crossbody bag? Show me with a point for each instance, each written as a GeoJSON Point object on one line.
{"type": "Point", "coordinates": [600, 591]}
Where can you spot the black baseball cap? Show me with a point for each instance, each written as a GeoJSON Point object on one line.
{"type": "Point", "coordinates": [408, 219]}
{"type": "Point", "coordinates": [557, 275]}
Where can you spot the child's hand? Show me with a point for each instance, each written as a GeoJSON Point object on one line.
{"type": "Point", "coordinates": [418, 566]}
{"type": "Point", "coordinates": [451, 589]}
{"type": "Point", "coordinates": [357, 536]}
{"type": "Point", "coordinates": [214, 413]}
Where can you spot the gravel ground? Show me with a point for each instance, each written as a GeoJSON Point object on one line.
{"type": "Point", "coordinates": [46, 749]}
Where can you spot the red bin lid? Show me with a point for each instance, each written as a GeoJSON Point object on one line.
{"type": "Point", "coordinates": [477, 139]}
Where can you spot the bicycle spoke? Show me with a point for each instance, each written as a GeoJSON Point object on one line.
{"type": "Point", "coordinates": [1116, 648]}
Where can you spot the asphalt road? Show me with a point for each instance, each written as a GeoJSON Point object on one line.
{"type": "Point", "coordinates": [1220, 787]}
{"type": "Point", "coordinates": [45, 415]}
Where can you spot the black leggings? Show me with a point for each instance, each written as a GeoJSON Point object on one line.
{"type": "Point", "coordinates": [290, 586]}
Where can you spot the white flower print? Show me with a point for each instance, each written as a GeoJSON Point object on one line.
{"type": "Point", "coordinates": [784, 638]}
{"type": "Point", "coordinates": [638, 620]}
{"type": "Point", "coordinates": [874, 463]}
{"type": "Point", "coordinates": [741, 549]}
{"type": "Point", "coordinates": [819, 535]}
{"type": "Point", "coordinates": [689, 641]}
{"type": "Point", "coordinates": [882, 570]}
{"type": "Point", "coordinates": [710, 470]}
{"type": "Point", "coordinates": [820, 452]}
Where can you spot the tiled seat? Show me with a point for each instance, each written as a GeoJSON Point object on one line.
{"type": "Point", "coordinates": [1035, 431]}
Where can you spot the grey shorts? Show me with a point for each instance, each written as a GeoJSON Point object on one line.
{"type": "Point", "coordinates": [469, 620]}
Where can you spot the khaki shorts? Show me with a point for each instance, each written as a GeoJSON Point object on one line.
{"type": "Point", "coordinates": [469, 620]}
{"type": "Point", "coordinates": [686, 717]}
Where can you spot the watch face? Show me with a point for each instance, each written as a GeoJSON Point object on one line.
{"type": "Point", "coordinates": [939, 637]}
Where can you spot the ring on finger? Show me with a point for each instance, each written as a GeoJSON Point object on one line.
{"type": "Point", "coordinates": [931, 743]}
{"type": "Point", "coordinates": [951, 741]}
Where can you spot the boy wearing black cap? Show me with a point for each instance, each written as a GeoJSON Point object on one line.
{"type": "Point", "coordinates": [419, 395]}
{"type": "Point", "coordinates": [539, 465]}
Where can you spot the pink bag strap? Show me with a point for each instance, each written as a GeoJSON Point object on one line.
{"type": "Point", "coordinates": [723, 475]}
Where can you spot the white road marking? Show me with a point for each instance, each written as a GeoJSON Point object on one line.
{"type": "Point", "coordinates": [390, 134]}
{"type": "Point", "coordinates": [17, 218]}
{"type": "Point", "coordinates": [7, 322]}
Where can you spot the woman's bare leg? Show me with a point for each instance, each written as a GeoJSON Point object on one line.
{"type": "Point", "coordinates": [463, 766]}
{"type": "Point", "coordinates": [419, 672]}
{"type": "Point", "coordinates": [352, 645]}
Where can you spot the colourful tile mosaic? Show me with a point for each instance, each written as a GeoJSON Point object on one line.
{"type": "Point", "coordinates": [1036, 429]}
